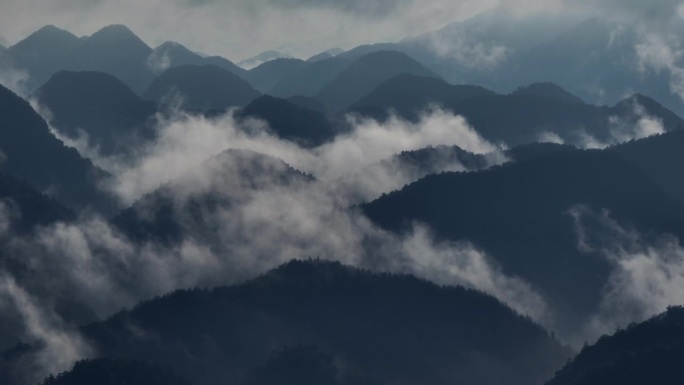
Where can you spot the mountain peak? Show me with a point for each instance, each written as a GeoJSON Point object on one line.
{"type": "Point", "coordinates": [548, 90]}
{"type": "Point", "coordinates": [114, 28]}
{"type": "Point", "coordinates": [116, 32]}
{"type": "Point", "coordinates": [168, 45]}
{"type": "Point", "coordinates": [50, 28]}
{"type": "Point", "coordinates": [262, 58]}
{"type": "Point", "coordinates": [49, 35]}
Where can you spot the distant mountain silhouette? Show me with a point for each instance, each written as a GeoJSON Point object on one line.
{"type": "Point", "coordinates": [118, 51]}
{"type": "Point", "coordinates": [290, 121]}
{"type": "Point", "coordinates": [43, 53]}
{"type": "Point", "coordinates": [27, 208]}
{"type": "Point", "coordinates": [106, 371]}
{"type": "Point", "coordinates": [404, 168]}
{"type": "Point", "coordinates": [647, 353]}
{"type": "Point", "coordinates": [480, 49]}
{"type": "Point", "coordinates": [201, 88]}
{"type": "Point", "coordinates": [595, 59]}
{"type": "Point", "coordinates": [224, 63]}
{"type": "Point", "coordinates": [327, 54]}
{"type": "Point", "coordinates": [319, 57]}
{"type": "Point", "coordinates": [595, 63]}
{"type": "Point", "coordinates": [262, 58]}
{"type": "Point", "coordinates": [113, 49]}
{"type": "Point", "coordinates": [366, 73]}
{"type": "Point", "coordinates": [101, 106]}
{"type": "Point", "coordinates": [410, 95]}
{"type": "Point", "coordinates": [548, 90]}
{"type": "Point", "coordinates": [33, 154]}
{"type": "Point", "coordinates": [171, 54]}
{"type": "Point", "coordinates": [522, 117]}
{"type": "Point", "coordinates": [363, 50]}
{"type": "Point", "coordinates": [267, 75]}
{"type": "Point", "coordinates": [167, 215]}
{"type": "Point", "coordinates": [370, 324]}
{"type": "Point", "coordinates": [519, 214]}
{"type": "Point", "coordinates": [310, 79]}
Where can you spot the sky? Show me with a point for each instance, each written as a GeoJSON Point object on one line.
{"type": "Point", "coordinates": [238, 29]}
{"type": "Point", "coordinates": [644, 281]}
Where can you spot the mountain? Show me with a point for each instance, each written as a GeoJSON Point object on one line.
{"type": "Point", "coordinates": [99, 105]}
{"type": "Point", "coordinates": [319, 57]}
{"type": "Point", "coordinates": [201, 88]}
{"type": "Point", "coordinates": [307, 102]}
{"type": "Point", "coordinates": [529, 151]}
{"type": "Point", "coordinates": [171, 54]}
{"type": "Point", "coordinates": [366, 73]}
{"type": "Point", "coordinates": [267, 75]}
{"type": "Point", "coordinates": [480, 50]}
{"type": "Point", "coordinates": [363, 50]}
{"type": "Point", "coordinates": [327, 54]}
{"type": "Point", "coordinates": [26, 207]}
{"type": "Point", "coordinates": [486, 208]}
{"type": "Point", "coordinates": [224, 181]}
{"type": "Point", "coordinates": [43, 53]}
{"type": "Point", "coordinates": [310, 79]}
{"type": "Point", "coordinates": [597, 60]}
{"type": "Point", "coordinates": [518, 119]}
{"type": "Point", "coordinates": [262, 58]}
{"type": "Point", "coordinates": [548, 90]}
{"type": "Point", "coordinates": [33, 154]}
{"type": "Point", "coordinates": [659, 156]}
{"type": "Point", "coordinates": [333, 318]}
{"type": "Point", "coordinates": [226, 64]}
{"type": "Point", "coordinates": [645, 353]}
{"type": "Point", "coordinates": [115, 50]}
{"type": "Point", "coordinates": [528, 115]}
{"type": "Point", "coordinates": [290, 121]}
{"type": "Point", "coordinates": [107, 371]}
{"type": "Point", "coordinates": [406, 167]}
{"type": "Point", "coordinates": [410, 95]}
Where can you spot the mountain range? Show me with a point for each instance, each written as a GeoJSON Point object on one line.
{"type": "Point", "coordinates": [349, 322]}
{"type": "Point", "coordinates": [468, 205]}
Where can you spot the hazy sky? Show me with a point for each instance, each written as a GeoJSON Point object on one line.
{"type": "Point", "coordinates": [240, 28]}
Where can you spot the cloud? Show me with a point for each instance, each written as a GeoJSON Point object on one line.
{"type": "Point", "coordinates": [658, 53]}
{"type": "Point", "coordinates": [92, 264]}
{"type": "Point", "coordinates": [60, 347]}
{"type": "Point", "coordinates": [469, 54]}
{"type": "Point", "coordinates": [638, 125]}
{"type": "Point", "coordinates": [643, 10]}
{"type": "Point", "coordinates": [12, 78]}
{"type": "Point", "coordinates": [262, 220]}
{"type": "Point", "coordinates": [647, 275]}
{"type": "Point", "coordinates": [184, 141]}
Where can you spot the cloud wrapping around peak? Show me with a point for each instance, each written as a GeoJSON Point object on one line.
{"type": "Point", "coordinates": [647, 276]}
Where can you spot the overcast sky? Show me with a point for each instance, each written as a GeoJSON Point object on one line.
{"type": "Point", "coordinates": [238, 29]}
{"type": "Point", "coordinates": [241, 28]}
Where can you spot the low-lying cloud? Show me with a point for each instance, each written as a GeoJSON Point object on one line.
{"type": "Point", "coordinates": [638, 125]}
{"type": "Point", "coordinates": [185, 140]}
{"type": "Point", "coordinates": [264, 219]}
{"type": "Point", "coordinates": [647, 276]}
